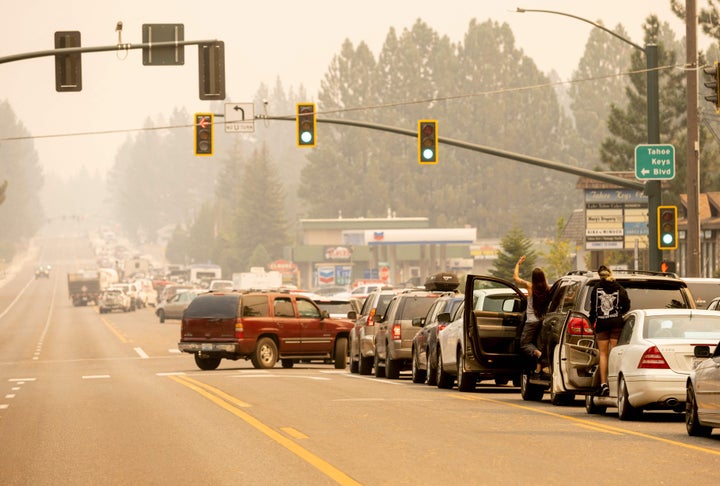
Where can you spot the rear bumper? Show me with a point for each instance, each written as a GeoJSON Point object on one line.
{"type": "Point", "coordinates": [208, 348]}
{"type": "Point", "coordinates": [645, 390]}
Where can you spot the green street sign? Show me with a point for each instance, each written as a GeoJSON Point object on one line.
{"type": "Point", "coordinates": [654, 162]}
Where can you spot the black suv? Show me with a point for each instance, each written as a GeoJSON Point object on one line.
{"type": "Point", "coordinates": [567, 338]}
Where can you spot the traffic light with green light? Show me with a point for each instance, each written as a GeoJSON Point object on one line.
{"type": "Point", "coordinates": [427, 142]}
{"type": "Point", "coordinates": [306, 124]}
{"type": "Point", "coordinates": [667, 228]}
{"type": "Point", "coordinates": [203, 133]}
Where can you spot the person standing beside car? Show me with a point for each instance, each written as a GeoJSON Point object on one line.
{"type": "Point", "coordinates": [538, 296]}
{"type": "Point", "coordinates": [608, 302]}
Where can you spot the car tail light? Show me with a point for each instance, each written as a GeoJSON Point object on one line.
{"type": "Point", "coordinates": [239, 329]}
{"type": "Point", "coordinates": [371, 317]}
{"type": "Point", "coordinates": [579, 326]}
{"type": "Point", "coordinates": [653, 358]}
{"type": "Point", "coordinates": [440, 327]}
{"type": "Point", "coordinates": [396, 332]}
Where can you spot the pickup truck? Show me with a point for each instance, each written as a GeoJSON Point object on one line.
{"type": "Point", "coordinates": [84, 287]}
{"type": "Point", "coordinates": [263, 327]}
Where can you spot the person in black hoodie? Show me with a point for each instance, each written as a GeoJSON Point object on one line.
{"type": "Point", "coordinates": [608, 302]}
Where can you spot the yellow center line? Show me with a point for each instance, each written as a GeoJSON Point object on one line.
{"type": "Point", "coordinates": [214, 395]}
{"type": "Point", "coordinates": [115, 331]}
{"type": "Point", "coordinates": [293, 433]}
{"type": "Point", "coordinates": [603, 427]}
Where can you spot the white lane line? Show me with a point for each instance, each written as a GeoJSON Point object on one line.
{"type": "Point", "coordinates": [94, 377]}
{"type": "Point", "coordinates": [141, 353]}
{"type": "Point", "coordinates": [10, 395]}
{"type": "Point", "coordinates": [174, 373]}
{"type": "Point", "coordinates": [174, 350]}
{"type": "Point", "coordinates": [3, 406]}
{"type": "Point", "coordinates": [20, 381]}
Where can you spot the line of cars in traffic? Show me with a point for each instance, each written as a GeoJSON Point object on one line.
{"type": "Point", "coordinates": [666, 347]}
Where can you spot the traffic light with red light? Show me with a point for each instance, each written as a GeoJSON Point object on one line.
{"type": "Point", "coordinates": [667, 228]}
{"type": "Point", "coordinates": [427, 142]}
{"type": "Point", "coordinates": [203, 133]}
{"type": "Point", "coordinates": [306, 124]}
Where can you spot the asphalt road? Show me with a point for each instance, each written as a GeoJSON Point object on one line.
{"type": "Point", "coordinates": [107, 399]}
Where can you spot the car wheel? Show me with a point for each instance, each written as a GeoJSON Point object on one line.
{"type": "Point", "coordinates": [365, 365]}
{"type": "Point", "coordinates": [379, 370]}
{"type": "Point", "coordinates": [466, 380]}
{"type": "Point", "coordinates": [341, 352]}
{"type": "Point", "coordinates": [431, 368]}
{"type": "Point", "coordinates": [692, 424]}
{"type": "Point", "coordinates": [625, 410]}
{"type": "Point", "coordinates": [265, 355]}
{"type": "Point", "coordinates": [502, 380]}
{"type": "Point", "coordinates": [287, 363]}
{"type": "Point", "coordinates": [528, 391]}
{"type": "Point", "coordinates": [593, 409]}
{"type": "Point", "coordinates": [207, 363]}
{"type": "Point", "coordinates": [418, 375]}
{"type": "Point", "coordinates": [444, 380]}
{"type": "Point", "coordinates": [161, 315]}
{"type": "Point", "coordinates": [392, 369]}
{"type": "Point", "coordinates": [354, 366]}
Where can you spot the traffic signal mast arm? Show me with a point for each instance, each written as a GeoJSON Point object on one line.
{"type": "Point", "coordinates": [116, 47]}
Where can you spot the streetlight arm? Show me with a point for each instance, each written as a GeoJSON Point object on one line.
{"type": "Point", "coordinates": [594, 24]}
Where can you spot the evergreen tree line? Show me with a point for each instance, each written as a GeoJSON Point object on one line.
{"type": "Point", "coordinates": [239, 207]}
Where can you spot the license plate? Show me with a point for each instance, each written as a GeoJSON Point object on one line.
{"type": "Point", "coordinates": [206, 347]}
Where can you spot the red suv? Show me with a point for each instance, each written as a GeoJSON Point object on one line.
{"type": "Point", "coordinates": [262, 327]}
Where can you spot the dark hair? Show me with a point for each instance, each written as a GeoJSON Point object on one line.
{"type": "Point", "coordinates": [540, 292]}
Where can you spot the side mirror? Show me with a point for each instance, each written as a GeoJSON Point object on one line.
{"type": "Point", "coordinates": [352, 315]}
{"type": "Point", "coordinates": [444, 317]}
{"type": "Point", "coordinates": [324, 314]}
{"type": "Point", "coordinates": [418, 322]}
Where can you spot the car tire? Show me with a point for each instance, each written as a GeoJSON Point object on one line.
{"type": "Point", "coordinates": [466, 380]}
{"type": "Point", "coordinates": [625, 410]}
{"type": "Point", "coordinates": [365, 366]}
{"type": "Point", "coordinates": [265, 355]}
{"type": "Point", "coordinates": [287, 363]}
{"type": "Point", "coordinates": [444, 379]}
{"type": "Point", "coordinates": [591, 408]}
{"type": "Point", "coordinates": [431, 368]}
{"type": "Point", "coordinates": [161, 315]}
{"type": "Point", "coordinates": [559, 399]}
{"type": "Point", "coordinates": [379, 370]}
{"type": "Point", "coordinates": [354, 366]}
{"type": "Point", "coordinates": [418, 375]}
{"type": "Point", "coordinates": [392, 369]}
{"type": "Point", "coordinates": [341, 352]}
{"type": "Point", "coordinates": [207, 363]}
{"type": "Point", "coordinates": [692, 424]}
{"type": "Point", "coordinates": [502, 380]}
{"type": "Point", "coordinates": [528, 391]}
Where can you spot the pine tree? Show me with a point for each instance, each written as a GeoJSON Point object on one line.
{"type": "Point", "coordinates": [514, 245]}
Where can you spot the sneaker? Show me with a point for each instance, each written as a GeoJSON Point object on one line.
{"type": "Point", "coordinates": [604, 390]}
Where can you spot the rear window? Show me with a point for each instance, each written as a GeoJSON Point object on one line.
{"type": "Point", "coordinates": [213, 307]}
{"type": "Point", "coordinates": [684, 327]}
{"type": "Point", "coordinates": [416, 307]}
{"type": "Point", "coordinates": [646, 294]}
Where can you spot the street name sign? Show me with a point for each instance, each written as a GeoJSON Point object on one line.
{"type": "Point", "coordinates": [654, 162]}
{"type": "Point", "coordinates": [239, 117]}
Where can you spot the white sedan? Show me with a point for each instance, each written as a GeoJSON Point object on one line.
{"type": "Point", "coordinates": [649, 367]}
{"type": "Point", "coordinates": [702, 412]}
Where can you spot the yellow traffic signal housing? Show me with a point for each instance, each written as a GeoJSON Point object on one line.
{"type": "Point", "coordinates": [306, 124]}
{"type": "Point", "coordinates": [427, 142]}
{"type": "Point", "coordinates": [203, 133]}
{"type": "Point", "coordinates": [667, 228]}
{"type": "Point", "coordinates": [714, 85]}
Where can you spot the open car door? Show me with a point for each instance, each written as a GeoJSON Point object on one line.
{"type": "Point", "coordinates": [579, 357]}
{"type": "Point", "coordinates": [493, 318]}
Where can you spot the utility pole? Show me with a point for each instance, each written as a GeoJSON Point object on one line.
{"type": "Point", "coordinates": [692, 235]}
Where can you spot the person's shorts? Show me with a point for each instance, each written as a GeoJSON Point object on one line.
{"type": "Point", "coordinates": [608, 330]}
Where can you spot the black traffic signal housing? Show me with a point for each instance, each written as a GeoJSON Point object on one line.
{"type": "Point", "coordinates": [667, 228]}
{"type": "Point", "coordinates": [306, 124]}
{"type": "Point", "coordinates": [204, 133]}
{"type": "Point", "coordinates": [68, 67]}
{"type": "Point", "coordinates": [427, 142]}
{"type": "Point", "coordinates": [714, 85]}
{"type": "Point", "coordinates": [211, 70]}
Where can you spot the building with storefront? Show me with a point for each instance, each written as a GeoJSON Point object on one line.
{"type": "Point", "coordinates": [395, 250]}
